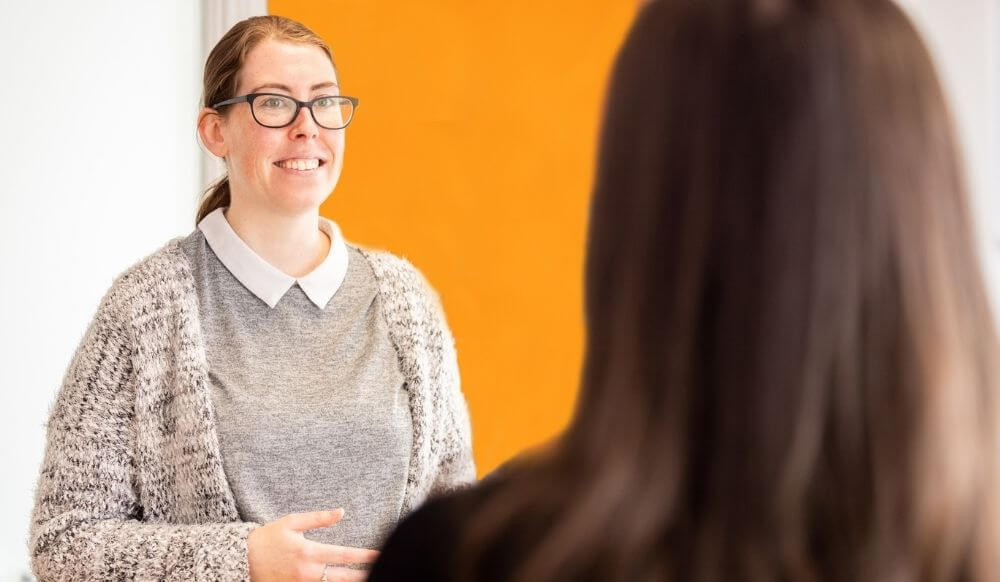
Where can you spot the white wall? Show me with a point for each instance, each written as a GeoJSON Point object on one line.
{"type": "Point", "coordinates": [100, 166]}
{"type": "Point", "coordinates": [964, 36]}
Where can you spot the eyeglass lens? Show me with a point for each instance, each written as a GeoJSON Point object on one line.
{"type": "Point", "coordinates": [278, 111]}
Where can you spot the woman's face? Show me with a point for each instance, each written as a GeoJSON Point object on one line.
{"type": "Point", "coordinates": [258, 157]}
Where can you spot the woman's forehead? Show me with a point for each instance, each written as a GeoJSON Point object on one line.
{"type": "Point", "coordinates": [295, 66]}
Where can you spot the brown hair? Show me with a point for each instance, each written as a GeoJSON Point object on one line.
{"type": "Point", "coordinates": [224, 64]}
{"type": "Point", "coordinates": [790, 365]}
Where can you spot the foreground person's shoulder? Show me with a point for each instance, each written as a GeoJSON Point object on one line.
{"type": "Point", "coordinates": [424, 545]}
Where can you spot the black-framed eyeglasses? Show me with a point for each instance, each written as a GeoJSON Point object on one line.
{"type": "Point", "coordinates": [276, 110]}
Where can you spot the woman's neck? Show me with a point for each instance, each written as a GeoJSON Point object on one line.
{"type": "Point", "coordinates": [293, 244]}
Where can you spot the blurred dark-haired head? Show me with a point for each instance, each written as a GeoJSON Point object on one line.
{"type": "Point", "coordinates": [789, 369]}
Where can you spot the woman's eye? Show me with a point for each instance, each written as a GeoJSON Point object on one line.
{"type": "Point", "coordinates": [273, 103]}
{"type": "Point", "coordinates": [325, 102]}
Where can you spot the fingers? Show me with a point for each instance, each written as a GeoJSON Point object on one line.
{"type": "Point", "coordinates": [340, 554]}
{"type": "Point", "coordinates": [312, 519]}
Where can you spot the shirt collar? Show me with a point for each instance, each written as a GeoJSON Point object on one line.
{"type": "Point", "coordinates": [266, 281]}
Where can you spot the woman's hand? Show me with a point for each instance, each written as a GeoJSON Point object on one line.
{"type": "Point", "coordinates": [278, 551]}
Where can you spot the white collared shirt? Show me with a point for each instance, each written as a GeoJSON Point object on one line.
{"type": "Point", "coordinates": [265, 280]}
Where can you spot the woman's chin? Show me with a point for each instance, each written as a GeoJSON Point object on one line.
{"type": "Point", "coordinates": [295, 204]}
{"type": "Point", "coordinates": [300, 199]}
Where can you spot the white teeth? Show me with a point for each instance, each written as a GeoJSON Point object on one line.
{"type": "Point", "coordinates": [302, 165]}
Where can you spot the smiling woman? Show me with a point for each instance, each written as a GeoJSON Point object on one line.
{"type": "Point", "coordinates": [242, 382]}
{"type": "Point", "coordinates": [283, 172]}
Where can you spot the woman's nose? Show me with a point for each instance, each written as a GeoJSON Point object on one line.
{"type": "Point", "coordinates": [304, 125]}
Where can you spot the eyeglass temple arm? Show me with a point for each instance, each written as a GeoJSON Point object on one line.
{"type": "Point", "coordinates": [232, 101]}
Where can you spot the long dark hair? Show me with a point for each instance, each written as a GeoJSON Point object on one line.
{"type": "Point", "coordinates": [789, 369]}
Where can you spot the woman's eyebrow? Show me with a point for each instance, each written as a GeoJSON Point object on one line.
{"type": "Point", "coordinates": [288, 89]}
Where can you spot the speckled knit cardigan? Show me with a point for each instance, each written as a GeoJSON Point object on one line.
{"type": "Point", "coordinates": [132, 484]}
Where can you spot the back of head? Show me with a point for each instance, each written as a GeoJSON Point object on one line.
{"type": "Point", "coordinates": [789, 369]}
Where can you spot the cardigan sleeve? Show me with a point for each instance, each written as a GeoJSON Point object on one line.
{"type": "Point", "coordinates": [451, 434]}
{"type": "Point", "coordinates": [87, 522]}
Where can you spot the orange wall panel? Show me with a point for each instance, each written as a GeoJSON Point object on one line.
{"type": "Point", "coordinates": [472, 155]}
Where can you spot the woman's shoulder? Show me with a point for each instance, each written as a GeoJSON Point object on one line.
{"type": "Point", "coordinates": [399, 280]}
{"type": "Point", "coordinates": [390, 268]}
{"type": "Point", "coordinates": [160, 274]}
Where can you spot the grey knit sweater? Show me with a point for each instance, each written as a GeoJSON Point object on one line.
{"type": "Point", "coordinates": [132, 483]}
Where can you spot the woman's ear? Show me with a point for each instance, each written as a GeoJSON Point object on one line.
{"type": "Point", "coordinates": [210, 132]}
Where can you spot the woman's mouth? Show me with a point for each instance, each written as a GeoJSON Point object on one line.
{"type": "Point", "coordinates": [300, 164]}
